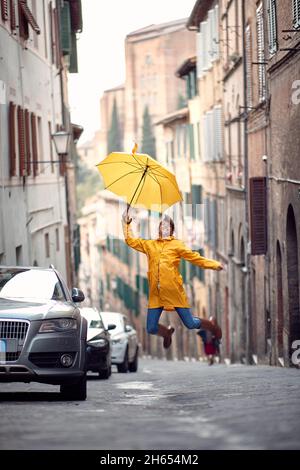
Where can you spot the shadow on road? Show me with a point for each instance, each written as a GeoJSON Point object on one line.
{"type": "Point", "coordinates": [31, 396]}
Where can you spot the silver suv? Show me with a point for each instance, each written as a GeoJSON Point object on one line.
{"type": "Point", "coordinates": [42, 334]}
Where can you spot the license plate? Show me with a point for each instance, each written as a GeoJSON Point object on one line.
{"type": "Point", "coordinates": [2, 350]}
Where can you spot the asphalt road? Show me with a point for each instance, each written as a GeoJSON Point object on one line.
{"type": "Point", "coordinates": [165, 405]}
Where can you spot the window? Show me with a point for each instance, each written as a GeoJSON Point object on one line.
{"type": "Point", "coordinates": [27, 142]}
{"type": "Point", "coordinates": [40, 139]}
{"type": "Point", "coordinates": [261, 53]}
{"type": "Point", "coordinates": [34, 144]}
{"type": "Point", "coordinates": [4, 10]}
{"type": "Point", "coordinates": [208, 42]}
{"type": "Point", "coordinates": [248, 44]}
{"type": "Point", "coordinates": [199, 140]}
{"type": "Point", "coordinates": [47, 245]}
{"type": "Point", "coordinates": [272, 26]}
{"type": "Point", "coordinates": [213, 135]}
{"type": "Point", "coordinates": [196, 201]}
{"type": "Point", "coordinates": [13, 23]}
{"type": "Point", "coordinates": [12, 139]}
{"type": "Point", "coordinates": [21, 141]}
{"type": "Point", "coordinates": [296, 13]}
{"type": "Point", "coordinates": [50, 146]}
{"type": "Point", "coordinates": [258, 215]}
{"type": "Point", "coordinates": [57, 239]}
{"type": "Point", "coordinates": [26, 18]}
{"type": "Point", "coordinates": [191, 141]}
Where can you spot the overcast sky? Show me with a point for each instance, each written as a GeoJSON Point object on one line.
{"type": "Point", "coordinates": [101, 49]}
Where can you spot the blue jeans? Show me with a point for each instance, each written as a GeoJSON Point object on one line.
{"type": "Point", "coordinates": [185, 315]}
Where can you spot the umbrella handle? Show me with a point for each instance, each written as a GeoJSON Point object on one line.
{"type": "Point", "coordinates": [127, 210]}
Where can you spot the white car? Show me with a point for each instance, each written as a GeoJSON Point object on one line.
{"type": "Point", "coordinates": [125, 347]}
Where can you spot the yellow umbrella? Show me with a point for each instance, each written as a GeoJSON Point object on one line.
{"type": "Point", "coordinates": [140, 180]}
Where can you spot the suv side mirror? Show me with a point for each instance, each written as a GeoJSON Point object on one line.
{"type": "Point", "coordinates": [128, 328]}
{"type": "Point", "coordinates": [77, 295]}
{"type": "Point", "coordinates": [111, 327]}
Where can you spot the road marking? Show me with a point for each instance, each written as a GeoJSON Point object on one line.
{"type": "Point", "coordinates": [136, 385]}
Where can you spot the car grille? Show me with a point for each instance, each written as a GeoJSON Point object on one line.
{"type": "Point", "coordinates": [14, 333]}
{"type": "Point", "coordinates": [13, 329]}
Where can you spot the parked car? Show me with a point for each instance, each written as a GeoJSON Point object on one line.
{"type": "Point", "coordinates": [125, 349]}
{"type": "Point", "coordinates": [98, 343]}
{"type": "Point", "coordinates": [42, 334]}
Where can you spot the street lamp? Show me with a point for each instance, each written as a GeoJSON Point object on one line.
{"type": "Point", "coordinates": [61, 141]}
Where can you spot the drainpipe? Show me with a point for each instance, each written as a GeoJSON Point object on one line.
{"type": "Point", "coordinates": [247, 218]}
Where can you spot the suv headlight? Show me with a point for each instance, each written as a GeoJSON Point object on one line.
{"type": "Point", "coordinates": [61, 324]}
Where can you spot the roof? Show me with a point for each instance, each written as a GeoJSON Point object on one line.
{"type": "Point", "coordinates": [174, 116]}
{"type": "Point", "coordinates": [199, 12]}
{"type": "Point", "coordinates": [116, 88]}
{"type": "Point", "coordinates": [188, 65]}
{"type": "Point", "coordinates": [77, 131]}
{"type": "Point", "coordinates": [159, 28]}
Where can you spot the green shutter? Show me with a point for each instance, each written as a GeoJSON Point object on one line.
{"type": "Point", "coordinates": [65, 29]}
{"type": "Point", "coordinates": [73, 67]}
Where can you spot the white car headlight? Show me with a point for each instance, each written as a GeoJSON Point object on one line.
{"type": "Point", "coordinates": [118, 341]}
{"type": "Point", "coordinates": [60, 324]}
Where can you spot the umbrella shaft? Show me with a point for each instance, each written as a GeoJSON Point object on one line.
{"type": "Point", "coordinates": [143, 176]}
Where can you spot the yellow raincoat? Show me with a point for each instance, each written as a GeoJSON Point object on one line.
{"type": "Point", "coordinates": [164, 254]}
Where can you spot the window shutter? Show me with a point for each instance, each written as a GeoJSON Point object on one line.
{"type": "Point", "coordinates": [206, 220]}
{"type": "Point", "coordinates": [199, 55]}
{"type": "Point", "coordinates": [272, 26]}
{"type": "Point", "coordinates": [197, 201]}
{"type": "Point", "coordinates": [52, 33]}
{"type": "Point", "coordinates": [211, 33]}
{"type": "Point", "coordinates": [12, 139]}
{"type": "Point", "coordinates": [218, 134]}
{"type": "Point", "coordinates": [27, 17]}
{"type": "Point", "coordinates": [27, 142]}
{"type": "Point", "coordinates": [216, 29]}
{"type": "Point", "coordinates": [50, 146]}
{"type": "Point", "coordinates": [34, 144]}
{"type": "Point", "coordinates": [56, 36]}
{"type": "Point", "coordinates": [210, 136]}
{"type": "Point", "coordinates": [261, 53]}
{"type": "Point", "coordinates": [296, 13]}
{"type": "Point", "coordinates": [4, 10]}
{"type": "Point", "coordinates": [76, 15]}
{"type": "Point", "coordinates": [248, 39]}
{"type": "Point", "coordinates": [204, 124]}
{"type": "Point", "coordinates": [23, 23]}
{"type": "Point", "coordinates": [258, 213]}
{"type": "Point", "coordinates": [13, 23]}
{"type": "Point", "coordinates": [21, 140]}
{"type": "Point", "coordinates": [65, 29]}
{"type": "Point", "coordinates": [191, 139]}
{"type": "Point", "coordinates": [205, 45]}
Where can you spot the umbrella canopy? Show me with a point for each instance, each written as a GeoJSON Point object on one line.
{"type": "Point", "coordinates": [140, 180]}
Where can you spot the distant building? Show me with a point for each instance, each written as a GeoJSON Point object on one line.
{"type": "Point", "coordinates": [153, 54]}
